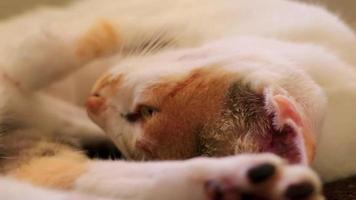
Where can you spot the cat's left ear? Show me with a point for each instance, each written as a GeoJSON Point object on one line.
{"type": "Point", "coordinates": [291, 136]}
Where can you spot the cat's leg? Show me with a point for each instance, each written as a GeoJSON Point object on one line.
{"type": "Point", "coordinates": [241, 177]}
{"type": "Point", "coordinates": [44, 56]}
{"type": "Point", "coordinates": [57, 42]}
{"type": "Point", "coordinates": [262, 176]}
{"type": "Point", "coordinates": [258, 176]}
{"type": "Point", "coordinates": [51, 52]}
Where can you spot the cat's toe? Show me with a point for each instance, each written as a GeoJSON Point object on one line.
{"type": "Point", "coordinates": [299, 183]}
{"type": "Point", "coordinates": [261, 173]}
{"type": "Point", "coordinates": [301, 190]}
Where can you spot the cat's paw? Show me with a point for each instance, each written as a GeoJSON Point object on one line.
{"type": "Point", "coordinates": [262, 177]}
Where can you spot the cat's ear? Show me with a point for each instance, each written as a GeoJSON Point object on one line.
{"type": "Point", "coordinates": [291, 137]}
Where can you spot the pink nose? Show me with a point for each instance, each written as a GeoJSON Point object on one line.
{"type": "Point", "coordinates": [95, 104]}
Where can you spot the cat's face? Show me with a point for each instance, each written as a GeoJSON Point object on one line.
{"type": "Point", "coordinates": [204, 101]}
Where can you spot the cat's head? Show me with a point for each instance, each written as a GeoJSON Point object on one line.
{"type": "Point", "coordinates": [216, 100]}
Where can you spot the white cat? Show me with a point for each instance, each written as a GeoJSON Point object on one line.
{"type": "Point", "coordinates": [237, 76]}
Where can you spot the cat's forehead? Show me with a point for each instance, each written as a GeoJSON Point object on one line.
{"type": "Point", "coordinates": [136, 74]}
{"type": "Point", "coordinates": [229, 55]}
{"type": "Point", "coordinates": [168, 63]}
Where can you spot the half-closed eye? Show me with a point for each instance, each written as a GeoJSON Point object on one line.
{"type": "Point", "coordinates": [141, 113]}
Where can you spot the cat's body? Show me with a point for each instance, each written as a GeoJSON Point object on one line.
{"type": "Point", "coordinates": [292, 64]}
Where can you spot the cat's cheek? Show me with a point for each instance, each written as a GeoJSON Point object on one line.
{"type": "Point", "coordinates": [143, 148]}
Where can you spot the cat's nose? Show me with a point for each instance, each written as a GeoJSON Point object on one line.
{"type": "Point", "coordinates": [95, 104]}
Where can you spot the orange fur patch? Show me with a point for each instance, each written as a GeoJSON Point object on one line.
{"type": "Point", "coordinates": [184, 107]}
{"type": "Point", "coordinates": [102, 38]}
{"type": "Point", "coordinates": [59, 171]}
{"type": "Point", "coordinates": [107, 81]}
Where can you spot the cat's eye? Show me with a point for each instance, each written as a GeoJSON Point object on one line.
{"type": "Point", "coordinates": [146, 111]}
{"type": "Point", "coordinates": [141, 113]}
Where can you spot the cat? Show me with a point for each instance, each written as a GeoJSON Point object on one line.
{"type": "Point", "coordinates": [238, 76]}
{"type": "Point", "coordinates": [186, 78]}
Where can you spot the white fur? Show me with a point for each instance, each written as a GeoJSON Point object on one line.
{"type": "Point", "coordinates": [289, 40]}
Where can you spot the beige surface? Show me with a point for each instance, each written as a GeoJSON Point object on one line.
{"type": "Point", "coordinates": [9, 7]}
{"type": "Point", "coordinates": [345, 8]}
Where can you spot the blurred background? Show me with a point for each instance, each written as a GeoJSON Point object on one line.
{"type": "Point", "coordinates": [345, 8]}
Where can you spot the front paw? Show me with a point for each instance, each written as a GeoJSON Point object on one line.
{"type": "Point", "coordinates": [262, 177]}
